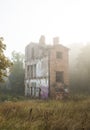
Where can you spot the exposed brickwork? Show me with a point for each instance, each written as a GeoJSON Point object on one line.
{"type": "Point", "coordinates": [57, 64]}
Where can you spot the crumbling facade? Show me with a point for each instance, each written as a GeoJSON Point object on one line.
{"type": "Point", "coordinates": [46, 68]}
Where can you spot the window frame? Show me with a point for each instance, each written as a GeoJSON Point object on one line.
{"type": "Point", "coordinates": [59, 55]}
{"type": "Point", "coordinates": [59, 76]}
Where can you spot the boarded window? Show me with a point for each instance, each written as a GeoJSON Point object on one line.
{"type": "Point", "coordinates": [59, 76]}
{"type": "Point", "coordinates": [59, 55]}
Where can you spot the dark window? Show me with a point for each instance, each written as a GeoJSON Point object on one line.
{"type": "Point", "coordinates": [59, 76]}
{"type": "Point", "coordinates": [34, 70]}
{"type": "Point", "coordinates": [28, 67]}
{"type": "Point", "coordinates": [31, 71]}
{"type": "Point", "coordinates": [59, 55]}
{"type": "Point", "coordinates": [32, 55]}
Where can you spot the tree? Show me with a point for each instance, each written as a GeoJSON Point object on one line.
{"type": "Point", "coordinates": [79, 68]}
{"type": "Point", "coordinates": [16, 77]}
{"type": "Point", "coordinates": [80, 78]}
{"type": "Point", "coordinates": [75, 50]}
{"type": "Point", "coordinates": [4, 61]}
{"type": "Point", "coordinates": [84, 67]}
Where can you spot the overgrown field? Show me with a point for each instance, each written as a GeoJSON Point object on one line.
{"type": "Point", "coordinates": [45, 115]}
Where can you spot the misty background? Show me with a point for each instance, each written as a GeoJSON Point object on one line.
{"type": "Point", "coordinates": [23, 21]}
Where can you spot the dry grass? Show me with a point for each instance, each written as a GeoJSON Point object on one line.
{"type": "Point", "coordinates": [45, 115]}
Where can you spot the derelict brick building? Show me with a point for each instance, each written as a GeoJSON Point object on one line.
{"type": "Point", "coordinates": [46, 68]}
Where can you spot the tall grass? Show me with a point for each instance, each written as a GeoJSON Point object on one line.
{"type": "Point", "coordinates": [45, 115]}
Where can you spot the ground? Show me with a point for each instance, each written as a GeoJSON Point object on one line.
{"type": "Point", "coordinates": [45, 115]}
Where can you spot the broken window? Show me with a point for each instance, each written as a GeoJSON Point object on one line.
{"type": "Point", "coordinates": [59, 55]}
{"type": "Point", "coordinates": [59, 76]}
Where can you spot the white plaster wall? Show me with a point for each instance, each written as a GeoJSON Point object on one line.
{"type": "Point", "coordinates": [41, 74]}
{"type": "Point", "coordinates": [42, 67]}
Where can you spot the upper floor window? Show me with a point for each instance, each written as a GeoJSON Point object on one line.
{"type": "Point", "coordinates": [59, 55]}
{"type": "Point", "coordinates": [32, 71]}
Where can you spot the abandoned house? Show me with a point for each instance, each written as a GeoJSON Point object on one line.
{"type": "Point", "coordinates": [46, 68]}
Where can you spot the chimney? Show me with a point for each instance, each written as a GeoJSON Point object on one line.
{"type": "Point", "coordinates": [55, 40]}
{"type": "Point", "coordinates": [42, 40]}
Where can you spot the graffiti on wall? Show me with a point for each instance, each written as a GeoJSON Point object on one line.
{"type": "Point", "coordinates": [44, 92]}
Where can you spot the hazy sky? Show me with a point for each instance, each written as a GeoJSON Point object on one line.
{"type": "Point", "coordinates": [23, 21]}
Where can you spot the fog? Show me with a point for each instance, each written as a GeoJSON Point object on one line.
{"type": "Point", "coordinates": [24, 21]}
{"type": "Point", "coordinates": [79, 68]}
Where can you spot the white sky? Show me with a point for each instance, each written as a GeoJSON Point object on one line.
{"type": "Point", "coordinates": [23, 21]}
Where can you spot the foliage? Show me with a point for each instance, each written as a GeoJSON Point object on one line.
{"type": "Point", "coordinates": [84, 66]}
{"type": "Point", "coordinates": [45, 115]}
{"type": "Point", "coordinates": [16, 78]}
{"type": "Point", "coordinates": [80, 73]}
{"type": "Point", "coordinates": [9, 97]}
{"type": "Point", "coordinates": [4, 61]}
